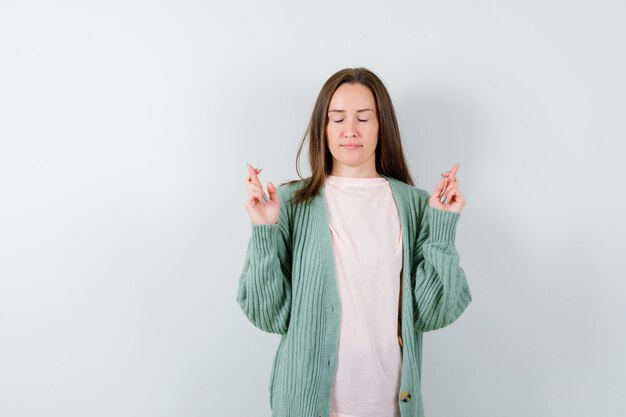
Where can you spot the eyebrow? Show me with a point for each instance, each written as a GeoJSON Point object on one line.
{"type": "Point", "coordinates": [343, 111]}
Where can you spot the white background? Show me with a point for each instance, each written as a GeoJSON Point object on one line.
{"type": "Point", "coordinates": [125, 128]}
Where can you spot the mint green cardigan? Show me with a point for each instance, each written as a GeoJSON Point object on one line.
{"type": "Point", "coordinates": [288, 287]}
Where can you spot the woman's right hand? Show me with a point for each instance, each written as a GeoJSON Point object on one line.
{"type": "Point", "coordinates": [260, 210]}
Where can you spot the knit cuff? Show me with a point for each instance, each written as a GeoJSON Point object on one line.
{"type": "Point", "coordinates": [442, 224]}
{"type": "Point", "coordinates": [264, 237]}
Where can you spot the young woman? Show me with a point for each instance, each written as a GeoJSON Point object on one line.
{"type": "Point", "coordinates": [352, 264]}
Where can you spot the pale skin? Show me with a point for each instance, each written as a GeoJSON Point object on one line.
{"type": "Point", "coordinates": [351, 120]}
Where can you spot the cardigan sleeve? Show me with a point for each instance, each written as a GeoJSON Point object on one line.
{"type": "Point", "coordinates": [264, 292]}
{"type": "Point", "coordinates": [441, 289]}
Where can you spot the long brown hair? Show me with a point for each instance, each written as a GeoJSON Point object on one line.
{"type": "Point", "coordinates": [389, 156]}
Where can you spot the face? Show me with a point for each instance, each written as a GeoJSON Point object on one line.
{"type": "Point", "coordinates": [352, 131]}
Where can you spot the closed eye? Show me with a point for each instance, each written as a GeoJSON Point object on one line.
{"type": "Point", "coordinates": [339, 121]}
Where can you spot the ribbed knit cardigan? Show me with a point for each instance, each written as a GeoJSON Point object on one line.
{"type": "Point", "coordinates": [288, 286]}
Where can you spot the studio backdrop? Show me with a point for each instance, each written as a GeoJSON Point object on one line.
{"type": "Point", "coordinates": [125, 129]}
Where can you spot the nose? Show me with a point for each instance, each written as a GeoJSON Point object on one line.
{"type": "Point", "coordinates": [351, 129]}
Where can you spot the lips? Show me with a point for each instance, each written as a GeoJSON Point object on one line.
{"type": "Point", "coordinates": [351, 145]}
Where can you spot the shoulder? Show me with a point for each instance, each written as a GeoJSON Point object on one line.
{"type": "Point", "coordinates": [423, 194]}
{"type": "Point", "coordinates": [287, 190]}
{"type": "Point", "coordinates": [417, 195]}
{"type": "Point", "coordinates": [420, 196]}
{"type": "Point", "coordinates": [289, 187]}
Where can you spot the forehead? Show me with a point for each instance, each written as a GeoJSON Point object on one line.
{"type": "Point", "coordinates": [351, 97]}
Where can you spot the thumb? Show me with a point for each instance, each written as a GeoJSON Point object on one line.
{"type": "Point", "coordinates": [271, 190]}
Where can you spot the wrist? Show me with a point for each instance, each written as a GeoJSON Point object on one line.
{"type": "Point", "coordinates": [442, 224]}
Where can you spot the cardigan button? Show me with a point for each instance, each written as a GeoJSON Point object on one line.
{"type": "Point", "coordinates": [405, 396]}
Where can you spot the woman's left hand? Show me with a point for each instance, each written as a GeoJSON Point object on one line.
{"type": "Point", "coordinates": [448, 191]}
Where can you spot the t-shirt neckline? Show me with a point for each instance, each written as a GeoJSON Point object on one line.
{"type": "Point", "coordinates": [360, 182]}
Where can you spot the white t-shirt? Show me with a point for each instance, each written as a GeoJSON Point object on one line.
{"type": "Point", "coordinates": [367, 243]}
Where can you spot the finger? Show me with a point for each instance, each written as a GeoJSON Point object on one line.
{"type": "Point", "coordinates": [261, 192]}
{"type": "Point", "coordinates": [445, 186]}
{"type": "Point", "coordinates": [439, 188]}
{"type": "Point", "coordinates": [252, 176]}
{"type": "Point", "coordinates": [257, 196]}
{"type": "Point", "coordinates": [272, 191]}
{"type": "Point", "coordinates": [453, 190]}
{"type": "Point", "coordinates": [457, 197]}
{"type": "Point", "coordinates": [460, 197]}
{"type": "Point", "coordinates": [256, 193]}
{"type": "Point", "coordinates": [253, 187]}
{"type": "Point", "coordinates": [253, 173]}
{"type": "Point", "coordinates": [256, 169]}
{"type": "Point", "coordinates": [252, 200]}
{"type": "Point", "coordinates": [453, 171]}
{"type": "Point", "coordinates": [444, 195]}
{"type": "Point", "coordinates": [450, 185]}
